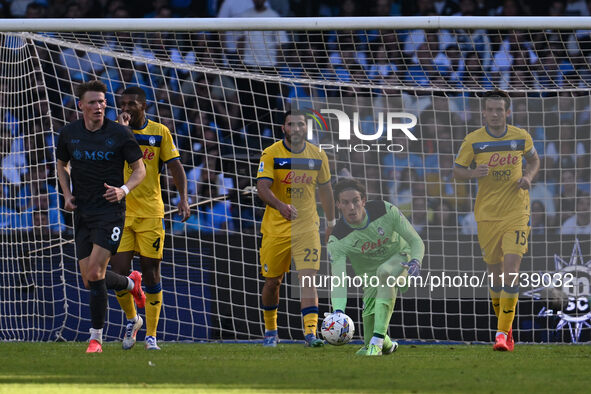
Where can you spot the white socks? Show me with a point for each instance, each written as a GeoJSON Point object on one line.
{"type": "Point", "coordinates": [377, 341]}
{"type": "Point", "coordinates": [97, 335]}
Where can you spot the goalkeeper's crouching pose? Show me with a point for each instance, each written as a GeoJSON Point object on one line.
{"type": "Point", "coordinates": [379, 242]}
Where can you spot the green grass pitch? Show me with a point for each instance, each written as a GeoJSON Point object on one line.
{"type": "Point", "coordinates": [218, 367]}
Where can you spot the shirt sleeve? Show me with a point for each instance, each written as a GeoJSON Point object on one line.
{"type": "Point", "coordinates": [529, 149]}
{"type": "Point", "coordinates": [466, 154]}
{"type": "Point", "coordinates": [338, 264]}
{"type": "Point", "coordinates": [131, 149]}
{"type": "Point", "coordinates": [266, 166]}
{"type": "Point", "coordinates": [168, 150]}
{"type": "Point", "coordinates": [403, 227]}
{"type": "Point", "coordinates": [324, 175]}
{"type": "Point", "coordinates": [61, 151]}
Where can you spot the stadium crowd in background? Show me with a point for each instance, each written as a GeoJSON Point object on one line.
{"type": "Point", "coordinates": [231, 8]}
{"type": "Point", "coordinates": [215, 117]}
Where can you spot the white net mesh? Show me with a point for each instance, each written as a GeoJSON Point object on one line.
{"type": "Point", "coordinates": [222, 95]}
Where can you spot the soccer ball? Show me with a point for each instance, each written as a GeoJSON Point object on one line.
{"type": "Point", "coordinates": [337, 329]}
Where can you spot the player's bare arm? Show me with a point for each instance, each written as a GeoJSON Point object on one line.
{"type": "Point", "coordinates": [180, 180]}
{"type": "Point", "coordinates": [326, 199]}
{"type": "Point", "coordinates": [288, 211]}
{"type": "Point", "coordinates": [64, 179]}
{"type": "Point", "coordinates": [114, 194]}
{"type": "Point", "coordinates": [469, 173]}
{"type": "Point", "coordinates": [530, 171]}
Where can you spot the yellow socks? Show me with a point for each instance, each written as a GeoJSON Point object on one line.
{"type": "Point", "coordinates": [153, 307]}
{"type": "Point", "coordinates": [270, 316]}
{"type": "Point", "coordinates": [508, 304]}
{"type": "Point", "coordinates": [125, 299]}
{"type": "Point", "coordinates": [495, 295]}
{"type": "Point", "coordinates": [310, 317]}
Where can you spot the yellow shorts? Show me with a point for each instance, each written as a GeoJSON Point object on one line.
{"type": "Point", "coordinates": [277, 253]}
{"type": "Point", "coordinates": [499, 238]}
{"type": "Point", "coordinates": [144, 236]}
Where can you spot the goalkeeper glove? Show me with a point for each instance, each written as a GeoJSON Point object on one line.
{"type": "Point", "coordinates": [414, 267]}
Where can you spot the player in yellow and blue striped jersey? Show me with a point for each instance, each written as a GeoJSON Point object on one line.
{"type": "Point", "coordinates": [289, 172]}
{"type": "Point", "coordinates": [502, 208]}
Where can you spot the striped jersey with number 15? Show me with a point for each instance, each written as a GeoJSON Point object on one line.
{"type": "Point", "coordinates": [499, 197]}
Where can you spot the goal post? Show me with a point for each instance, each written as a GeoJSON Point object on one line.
{"type": "Point", "coordinates": [406, 89]}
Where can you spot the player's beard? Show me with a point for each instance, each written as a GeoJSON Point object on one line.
{"type": "Point", "coordinates": [296, 143]}
{"type": "Point", "coordinates": [134, 122]}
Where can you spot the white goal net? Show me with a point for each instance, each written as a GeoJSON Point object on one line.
{"type": "Point", "coordinates": [221, 87]}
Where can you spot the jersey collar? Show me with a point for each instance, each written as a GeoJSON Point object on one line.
{"type": "Point", "coordinates": [494, 136]}
{"type": "Point", "coordinates": [289, 150]}
{"type": "Point", "coordinates": [361, 226]}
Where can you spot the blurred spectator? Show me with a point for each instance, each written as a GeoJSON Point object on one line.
{"type": "Point", "coordinates": [5, 189]}
{"type": "Point", "coordinates": [36, 9]}
{"type": "Point", "coordinates": [566, 152]}
{"type": "Point", "coordinates": [260, 48]}
{"type": "Point", "coordinates": [44, 207]}
{"type": "Point", "coordinates": [386, 8]}
{"type": "Point", "coordinates": [580, 222]}
{"type": "Point", "coordinates": [399, 192]}
{"type": "Point", "coordinates": [576, 8]}
{"type": "Point", "coordinates": [18, 8]}
{"type": "Point", "coordinates": [539, 222]}
{"type": "Point", "coordinates": [421, 215]}
{"type": "Point", "coordinates": [471, 8]}
{"type": "Point", "coordinates": [445, 7]}
{"type": "Point", "coordinates": [442, 186]}
{"type": "Point", "coordinates": [233, 9]}
{"type": "Point", "coordinates": [514, 45]}
{"type": "Point", "coordinates": [78, 65]}
{"type": "Point", "coordinates": [381, 67]}
{"type": "Point", "coordinates": [566, 199]}
{"type": "Point", "coordinates": [281, 6]}
{"type": "Point", "coordinates": [543, 191]}
{"type": "Point", "coordinates": [420, 8]}
{"type": "Point", "coordinates": [156, 5]}
{"type": "Point", "coordinates": [445, 216]}
{"type": "Point", "coordinates": [468, 224]}
{"type": "Point", "coordinates": [474, 75]}
{"type": "Point", "coordinates": [395, 162]}
{"type": "Point", "coordinates": [211, 216]}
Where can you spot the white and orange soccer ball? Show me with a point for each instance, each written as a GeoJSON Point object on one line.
{"type": "Point", "coordinates": [337, 329]}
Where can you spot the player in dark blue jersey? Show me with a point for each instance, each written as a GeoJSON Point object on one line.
{"type": "Point", "coordinates": [96, 149]}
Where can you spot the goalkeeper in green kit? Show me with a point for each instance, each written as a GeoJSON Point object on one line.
{"type": "Point", "coordinates": [380, 243]}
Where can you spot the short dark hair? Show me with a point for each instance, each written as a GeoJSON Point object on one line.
{"type": "Point", "coordinates": [349, 184]}
{"type": "Point", "coordinates": [141, 93]}
{"type": "Point", "coordinates": [90, 86]}
{"type": "Point", "coordinates": [498, 94]}
{"type": "Point", "coordinates": [294, 112]}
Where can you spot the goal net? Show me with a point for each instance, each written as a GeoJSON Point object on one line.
{"type": "Point", "coordinates": [406, 90]}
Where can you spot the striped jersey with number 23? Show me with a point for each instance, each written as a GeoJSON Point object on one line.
{"type": "Point", "coordinates": [295, 176]}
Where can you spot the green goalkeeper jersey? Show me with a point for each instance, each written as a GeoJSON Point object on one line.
{"type": "Point", "coordinates": [384, 234]}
